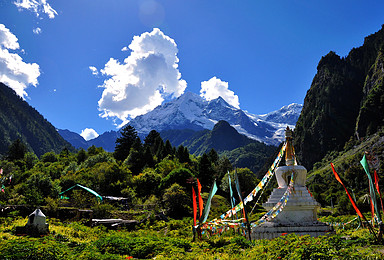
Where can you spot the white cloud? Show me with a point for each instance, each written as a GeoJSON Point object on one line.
{"type": "Point", "coordinates": [37, 6]}
{"type": "Point", "coordinates": [89, 133]}
{"type": "Point", "coordinates": [125, 48]}
{"type": "Point", "coordinates": [14, 72]}
{"type": "Point", "coordinates": [144, 79]}
{"type": "Point", "coordinates": [37, 30]}
{"type": "Point", "coordinates": [215, 87]}
{"type": "Point", "coordinates": [94, 70]}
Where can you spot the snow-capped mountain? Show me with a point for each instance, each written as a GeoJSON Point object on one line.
{"type": "Point", "coordinates": [190, 111]}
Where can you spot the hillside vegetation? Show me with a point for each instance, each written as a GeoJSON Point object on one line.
{"type": "Point", "coordinates": [172, 240]}
{"type": "Point", "coordinates": [18, 120]}
{"type": "Point", "coordinates": [345, 101]}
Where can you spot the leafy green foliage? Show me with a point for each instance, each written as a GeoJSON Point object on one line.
{"type": "Point", "coordinates": [172, 240]}
{"type": "Point", "coordinates": [251, 156]}
{"type": "Point", "coordinates": [327, 190]}
{"type": "Point", "coordinates": [146, 183]}
{"type": "Point", "coordinates": [247, 181]}
{"type": "Point", "coordinates": [176, 201]}
{"type": "Point", "coordinates": [49, 157]}
{"type": "Point", "coordinates": [16, 150]}
{"type": "Point", "coordinates": [206, 172]}
{"type": "Point", "coordinates": [179, 176]}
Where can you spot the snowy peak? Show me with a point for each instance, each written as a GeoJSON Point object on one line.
{"type": "Point", "coordinates": [287, 114]}
{"type": "Point", "coordinates": [190, 111]}
{"type": "Point", "coordinates": [185, 112]}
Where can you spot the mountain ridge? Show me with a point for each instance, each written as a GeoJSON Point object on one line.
{"type": "Point", "coordinates": [190, 113]}
{"type": "Point", "coordinates": [18, 120]}
{"type": "Point", "coordinates": [345, 101]}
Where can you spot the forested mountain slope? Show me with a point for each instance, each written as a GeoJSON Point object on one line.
{"type": "Point", "coordinates": [18, 120]}
{"type": "Point", "coordinates": [345, 101]}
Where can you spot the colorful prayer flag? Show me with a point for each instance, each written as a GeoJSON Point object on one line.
{"type": "Point", "coordinates": [207, 207]}
{"type": "Point", "coordinates": [378, 189]}
{"type": "Point", "coordinates": [201, 203]}
{"type": "Point", "coordinates": [349, 196]}
{"type": "Point", "coordinates": [372, 192]}
{"type": "Point", "coordinates": [232, 199]}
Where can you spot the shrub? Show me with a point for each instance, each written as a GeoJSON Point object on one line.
{"type": "Point", "coordinates": [102, 210]}
{"type": "Point", "coordinates": [176, 201]}
{"type": "Point", "coordinates": [49, 157]}
{"type": "Point", "coordinates": [179, 176]}
{"type": "Point", "coordinates": [32, 249]}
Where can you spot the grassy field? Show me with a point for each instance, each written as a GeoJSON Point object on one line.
{"type": "Point", "coordinates": [173, 240]}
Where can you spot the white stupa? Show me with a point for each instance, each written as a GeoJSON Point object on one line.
{"type": "Point", "coordinates": [300, 212]}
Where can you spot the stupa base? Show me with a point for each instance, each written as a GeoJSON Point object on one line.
{"type": "Point", "coordinates": [270, 230]}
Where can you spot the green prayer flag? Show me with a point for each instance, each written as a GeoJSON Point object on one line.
{"type": "Point", "coordinates": [230, 191]}
{"type": "Point", "coordinates": [85, 188]}
{"type": "Point", "coordinates": [207, 207]}
{"type": "Point", "coordinates": [238, 186]}
{"type": "Point", "coordinates": [365, 166]}
{"type": "Point", "coordinates": [372, 192]}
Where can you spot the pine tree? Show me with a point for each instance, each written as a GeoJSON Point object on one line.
{"type": "Point", "coordinates": [124, 143]}
{"type": "Point", "coordinates": [148, 157]}
{"type": "Point", "coordinates": [213, 156]}
{"type": "Point", "coordinates": [182, 154]}
{"type": "Point", "coordinates": [135, 161]}
{"type": "Point", "coordinates": [16, 150]}
{"type": "Point", "coordinates": [153, 140]}
{"type": "Point", "coordinates": [206, 173]}
{"type": "Point", "coordinates": [168, 149]}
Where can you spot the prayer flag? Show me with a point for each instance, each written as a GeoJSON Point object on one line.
{"type": "Point", "coordinates": [207, 207]}
{"type": "Point", "coordinates": [230, 191]}
{"type": "Point", "coordinates": [201, 203]}
{"type": "Point", "coordinates": [378, 189]}
{"type": "Point", "coordinates": [364, 163]}
{"type": "Point", "coordinates": [349, 196]}
{"type": "Point", "coordinates": [194, 206]}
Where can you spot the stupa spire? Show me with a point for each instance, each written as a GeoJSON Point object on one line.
{"type": "Point", "coordinates": [289, 156]}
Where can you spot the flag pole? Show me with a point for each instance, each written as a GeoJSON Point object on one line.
{"type": "Point", "coordinates": [244, 208]}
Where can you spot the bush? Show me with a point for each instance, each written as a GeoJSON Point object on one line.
{"type": "Point", "coordinates": [146, 183]}
{"type": "Point", "coordinates": [32, 249]}
{"type": "Point", "coordinates": [179, 176]}
{"type": "Point", "coordinates": [52, 205]}
{"type": "Point", "coordinates": [176, 201]}
{"type": "Point", "coordinates": [144, 246]}
{"type": "Point", "coordinates": [102, 210]}
{"type": "Point", "coordinates": [49, 157]}
{"type": "Point", "coordinates": [98, 158]}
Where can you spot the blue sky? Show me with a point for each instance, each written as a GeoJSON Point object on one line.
{"type": "Point", "coordinates": [261, 55]}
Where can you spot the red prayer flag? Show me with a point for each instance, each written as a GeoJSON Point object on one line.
{"type": "Point", "coordinates": [372, 212]}
{"type": "Point", "coordinates": [378, 189]}
{"type": "Point", "coordinates": [194, 206]}
{"type": "Point", "coordinates": [349, 196]}
{"type": "Point", "coordinates": [201, 203]}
